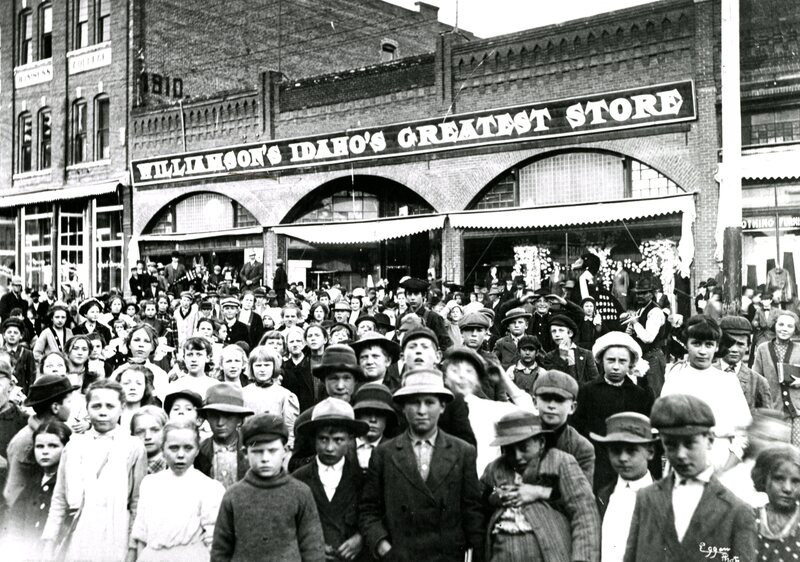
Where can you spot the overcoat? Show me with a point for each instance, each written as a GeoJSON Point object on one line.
{"type": "Point", "coordinates": [584, 370]}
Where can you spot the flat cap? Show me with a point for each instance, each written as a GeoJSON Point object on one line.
{"type": "Point", "coordinates": [735, 325]}
{"type": "Point", "coordinates": [565, 321]}
{"type": "Point", "coordinates": [415, 285]}
{"type": "Point", "coordinates": [420, 332]}
{"type": "Point", "coordinates": [681, 414]}
{"type": "Point", "coordinates": [264, 427]}
{"type": "Point", "coordinates": [527, 341]}
{"type": "Point", "coordinates": [626, 427]}
{"type": "Point", "coordinates": [12, 322]}
{"type": "Point", "coordinates": [556, 382]}
{"type": "Point", "coordinates": [230, 301]}
{"type": "Point", "coordinates": [474, 320]}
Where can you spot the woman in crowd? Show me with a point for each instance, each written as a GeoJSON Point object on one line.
{"type": "Point", "coordinates": [90, 311]}
{"type": "Point", "coordinates": [114, 306]}
{"type": "Point", "coordinates": [249, 317]}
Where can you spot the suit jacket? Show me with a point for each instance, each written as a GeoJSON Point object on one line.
{"type": "Point", "coordinates": [720, 520]}
{"type": "Point", "coordinates": [339, 515]}
{"type": "Point", "coordinates": [568, 439]}
{"type": "Point", "coordinates": [603, 497]}
{"type": "Point", "coordinates": [298, 379]}
{"type": "Point", "coordinates": [755, 388]}
{"type": "Point", "coordinates": [204, 461]}
{"type": "Point", "coordinates": [506, 351]}
{"type": "Point", "coordinates": [24, 367]}
{"type": "Point", "coordinates": [252, 272]}
{"type": "Point", "coordinates": [435, 520]}
{"type": "Point", "coordinates": [764, 364]}
{"type": "Point", "coordinates": [584, 369]}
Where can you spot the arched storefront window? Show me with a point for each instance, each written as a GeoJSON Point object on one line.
{"type": "Point", "coordinates": [201, 212]}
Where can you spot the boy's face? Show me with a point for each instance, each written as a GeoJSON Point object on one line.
{"type": "Point", "coordinates": [263, 370]}
{"type": "Point", "coordinates": [473, 336]}
{"type": "Point", "coordinates": [688, 454]}
{"type": "Point", "coordinates": [341, 316]}
{"type": "Point", "coordinates": [365, 326]}
{"type": "Point", "coordinates": [527, 354]}
{"type": "Point", "coordinates": [332, 444]}
{"type": "Point", "coordinates": [421, 352]}
{"type": "Point", "coordinates": [186, 302]}
{"type": "Point", "coordinates": [295, 343]}
{"type": "Point", "coordinates": [701, 352]}
{"type": "Point", "coordinates": [150, 432]}
{"type": "Point", "coordinates": [12, 335]}
{"type": "Point", "coordinates": [616, 363]}
{"type": "Point", "coordinates": [517, 326]}
{"type": "Point", "coordinates": [554, 409]}
{"type": "Point", "coordinates": [561, 334]}
{"type": "Point", "coordinates": [289, 317]}
{"type": "Point", "coordinates": [150, 311]}
{"type": "Point", "coordinates": [230, 312]}
{"type": "Point", "coordinates": [783, 486]}
{"type": "Point", "coordinates": [461, 377]}
{"type": "Point", "coordinates": [266, 457]}
{"type": "Point", "coordinates": [232, 365]}
{"type": "Point", "coordinates": [522, 453]}
{"type": "Point", "coordinates": [223, 425]}
{"type": "Point", "coordinates": [588, 308]}
{"type": "Point", "coordinates": [376, 420]}
{"type": "Point", "coordinates": [374, 361]}
{"type": "Point", "coordinates": [422, 412]}
{"type": "Point", "coordinates": [414, 298]}
{"type": "Point", "coordinates": [340, 384]}
{"type": "Point", "coordinates": [542, 305]}
{"type": "Point", "coordinates": [183, 409]}
{"type": "Point", "coordinates": [104, 408]}
{"type": "Point", "coordinates": [195, 360]}
{"type": "Point", "coordinates": [738, 351]}
{"type": "Point", "coordinates": [629, 460]}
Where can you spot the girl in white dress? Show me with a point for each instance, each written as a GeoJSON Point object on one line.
{"type": "Point", "coordinates": [177, 507]}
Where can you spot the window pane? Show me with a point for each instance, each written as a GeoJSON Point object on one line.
{"type": "Point", "coordinates": [45, 135]}
{"type": "Point", "coordinates": [109, 268]}
{"type": "Point", "coordinates": [25, 143]}
{"type": "Point", "coordinates": [25, 38]}
{"type": "Point", "coordinates": [103, 20]}
{"type": "Point", "coordinates": [79, 132]}
{"type": "Point", "coordinates": [82, 24]}
{"type": "Point", "coordinates": [109, 226]}
{"type": "Point", "coordinates": [102, 148]}
{"type": "Point", "coordinates": [572, 178]}
{"type": "Point", "coordinates": [46, 36]}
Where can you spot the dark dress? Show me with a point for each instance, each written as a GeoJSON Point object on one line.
{"type": "Point", "coordinates": [27, 516]}
{"type": "Point", "coordinates": [786, 549]}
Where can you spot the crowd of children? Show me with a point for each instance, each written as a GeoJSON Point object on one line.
{"type": "Point", "coordinates": [347, 430]}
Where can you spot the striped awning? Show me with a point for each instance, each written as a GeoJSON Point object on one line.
{"type": "Point", "coordinates": [58, 194]}
{"type": "Point", "coordinates": [361, 232]}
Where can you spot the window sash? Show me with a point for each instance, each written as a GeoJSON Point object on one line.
{"type": "Point", "coordinates": [46, 33]}
{"type": "Point", "coordinates": [45, 139]}
{"type": "Point", "coordinates": [25, 37]}
{"type": "Point", "coordinates": [103, 10]}
{"type": "Point", "coordinates": [25, 161]}
{"type": "Point", "coordinates": [102, 147]}
{"type": "Point", "coordinates": [79, 152]}
{"type": "Point", "coordinates": [81, 24]}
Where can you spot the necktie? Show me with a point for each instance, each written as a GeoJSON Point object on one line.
{"type": "Point", "coordinates": [730, 369]}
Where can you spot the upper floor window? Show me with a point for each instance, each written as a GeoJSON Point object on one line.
{"type": "Point", "coordinates": [81, 14]}
{"type": "Point", "coordinates": [45, 31]}
{"type": "Point", "coordinates": [103, 14]}
{"type": "Point", "coordinates": [102, 147]}
{"type": "Point", "coordinates": [79, 146]}
{"type": "Point", "coordinates": [771, 127]}
{"type": "Point", "coordinates": [25, 143]}
{"type": "Point", "coordinates": [45, 137]}
{"type": "Point", "coordinates": [388, 51]}
{"type": "Point", "coordinates": [25, 37]}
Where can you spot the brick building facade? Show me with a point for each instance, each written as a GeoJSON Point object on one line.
{"type": "Point", "coordinates": [71, 73]}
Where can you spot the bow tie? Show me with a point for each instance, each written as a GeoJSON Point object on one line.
{"type": "Point", "coordinates": [731, 368]}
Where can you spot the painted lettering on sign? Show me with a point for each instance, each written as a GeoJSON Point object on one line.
{"type": "Point", "coordinates": [159, 85]}
{"type": "Point", "coordinates": [639, 107]}
{"type": "Point", "coordinates": [768, 222]}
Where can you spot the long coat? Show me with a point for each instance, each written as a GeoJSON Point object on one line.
{"type": "Point", "coordinates": [339, 515]}
{"type": "Point", "coordinates": [764, 364]}
{"type": "Point", "coordinates": [720, 520]}
{"type": "Point", "coordinates": [584, 370]}
{"type": "Point", "coordinates": [435, 520]}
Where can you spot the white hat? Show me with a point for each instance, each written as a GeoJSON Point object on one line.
{"type": "Point", "coordinates": [616, 339]}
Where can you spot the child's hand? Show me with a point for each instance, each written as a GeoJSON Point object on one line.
{"type": "Point", "coordinates": [351, 548]}
{"type": "Point", "coordinates": [527, 493]}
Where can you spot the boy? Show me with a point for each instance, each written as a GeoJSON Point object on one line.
{"type": "Point", "coordinates": [721, 391]}
{"type": "Point", "coordinates": [237, 330]}
{"type": "Point", "coordinates": [335, 480]}
{"type": "Point", "coordinates": [221, 457]}
{"type": "Point", "coordinates": [681, 516]}
{"type": "Point", "coordinates": [516, 323]}
{"type": "Point", "coordinates": [197, 362]}
{"type": "Point", "coordinates": [377, 356]}
{"type": "Point", "coordinates": [185, 317]}
{"type": "Point", "coordinates": [568, 357]}
{"type": "Point", "coordinates": [474, 331]}
{"type": "Point", "coordinates": [736, 332]}
{"type": "Point", "coordinates": [22, 361]}
{"type": "Point", "coordinates": [525, 371]}
{"type": "Point", "coordinates": [49, 398]}
{"type": "Point", "coordinates": [372, 404]}
{"type": "Point", "coordinates": [249, 527]}
{"type": "Point", "coordinates": [422, 497]}
{"type": "Point", "coordinates": [629, 442]}
{"type": "Point", "coordinates": [555, 393]}
{"type": "Point", "coordinates": [589, 328]}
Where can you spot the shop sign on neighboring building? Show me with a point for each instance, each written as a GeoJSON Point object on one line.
{"type": "Point", "coordinates": [768, 222]}
{"type": "Point", "coordinates": [89, 58]}
{"type": "Point", "coordinates": [638, 107]}
{"type": "Point", "coordinates": [34, 73]}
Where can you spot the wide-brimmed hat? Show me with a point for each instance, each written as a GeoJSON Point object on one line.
{"type": "Point", "coordinates": [626, 427]}
{"type": "Point", "coordinates": [365, 318]}
{"type": "Point", "coordinates": [383, 321]}
{"type": "Point", "coordinates": [644, 285]}
{"type": "Point", "coordinates": [227, 398]}
{"type": "Point", "coordinates": [87, 304]}
{"type": "Point", "coordinates": [374, 396]}
{"type": "Point", "coordinates": [47, 388]}
{"type": "Point", "coordinates": [335, 412]}
{"type": "Point", "coordinates": [422, 381]}
{"type": "Point", "coordinates": [190, 395]}
{"type": "Point", "coordinates": [770, 425]}
{"type": "Point", "coordinates": [616, 339]}
{"type": "Point", "coordinates": [374, 338]}
{"type": "Point", "coordinates": [338, 358]}
{"type": "Point", "coordinates": [515, 313]}
{"type": "Point", "coordinates": [681, 414]}
{"type": "Point", "coordinates": [565, 321]}
{"type": "Point", "coordinates": [515, 427]}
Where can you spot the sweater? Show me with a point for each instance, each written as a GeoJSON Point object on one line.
{"type": "Point", "coordinates": [268, 519]}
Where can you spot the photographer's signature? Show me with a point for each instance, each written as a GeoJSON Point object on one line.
{"type": "Point", "coordinates": [712, 552]}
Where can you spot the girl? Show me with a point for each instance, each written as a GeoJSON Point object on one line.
{"type": "Point", "coordinates": [316, 338]}
{"type": "Point", "coordinates": [250, 318]}
{"type": "Point", "coordinates": [141, 344]}
{"type": "Point", "coordinates": [29, 512]}
{"type": "Point", "coordinates": [78, 349]}
{"type": "Point", "coordinates": [318, 314]}
{"type": "Point", "coordinates": [90, 310]}
{"type": "Point", "coordinates": [340, 334]}
{"type": "Point", "coordinates": [772, 359]}
{"type": "Point", "coordinates": [99, 477]}
{"type": "Point", "coordinates": [452, 316]}
{"type": "Point", "coordinates": [56, 335]}
{"type": "Point", "coordinates": [138, 391]}
{"type": "Point", "coordinates": [263, 395]}
{"type": "Point", "coordinates": [115, 306]}
{"type": "Point", "coordinates": [116, 352]}
{"type": "Point", "coordinates": [147, 423]}
{"type": "Point", "coordinates": [233, 366]}
{"type": "Point", "coordinates": [178, 507]}
{"type": "Point", "coordinates": [274, 340]}
{"type": "Point", "coordinates": [54, 363]}
{"type": "Point", "coordinates": [132, 312]}
{"type": "Point", "coordinates": [777, 473]}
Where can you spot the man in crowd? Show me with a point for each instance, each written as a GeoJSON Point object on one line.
{"type": "Point", "coordinates": [13, 298]}
{"type": "Point", "coordinates": [252, 272]}
{"type": "Point", "coordinates": [280, 282]}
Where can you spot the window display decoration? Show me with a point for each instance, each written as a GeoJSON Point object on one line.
{"type": "Point", "coordinates": [532, 263]}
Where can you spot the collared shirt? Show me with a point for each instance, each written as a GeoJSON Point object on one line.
{"type": "Point", "coordinates": [728, 368]}
{"type": "Point", "coordinates": [364, 450]}
{"type": "Point", "coordinates": [686, 495]}
{"type": "Point", "coordinates": [330, 476]}
{"type": "Point", "coordinates": [655, 319]}
{"type": "Point", "coordinates": [156, 464]}
{"type": "Point", "coordinates": [423, 452]}
{"type": "Point", "coordinates": [225, 466]}
{"type": "Point", "coordinates": [617, 520]}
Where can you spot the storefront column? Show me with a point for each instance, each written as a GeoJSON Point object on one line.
{"type": "Point", "coordinates": [452, 254]}
{"type": "Point", "coordinates": [270, 255]}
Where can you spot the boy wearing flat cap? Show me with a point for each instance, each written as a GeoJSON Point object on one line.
{"type": "Point", "coordinates": [422, 498]}
{"type": "Point", "coordinates": [373, 405]}
{"type": "Point", "coordinates": [416, 289]}
{"type": "Point", "coordinates": [734, 346]}
{"type": "Point", "coordinates": [629, 443]}
{"type": "Point", "coordinates": [221, 456]}
{"type": "Point", "coordinates": [568, 357]}
{"type": "Point", "coordinates": [22, 361]}
{"type": "Point", "coordinates": [474, 332]}
{"type": "Point", "coordinates": [335, 480]}
{"type": "Point", "coordinates": [268, 513]}
{"type": "Point", "coordinates": [682, 516]}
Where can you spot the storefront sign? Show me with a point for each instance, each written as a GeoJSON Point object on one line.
{"type": "Point", "coordinates": [34, 73]}
{"type": "Point", "coordinates": [768, 223]}
{"type": "Point", "coordinates": [640, 107]}
{"type": "Point", "coordinates": [89, 58]}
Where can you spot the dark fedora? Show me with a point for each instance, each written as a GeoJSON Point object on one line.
{"type": "Point", "coordinates": [226, 398]}
{"type": "Point", "coordinates": [47, 388]}
{"type": "Point", "coordinates": [333, 412]}
{"type": "Point", "coordinates": [374, 396]}
{"type": "Point", "coordinates": [338, 358]}
{"type": "Point", "coordinates": [365, 318]}
{"type": "Point", "coordinates": [383, 321]}
{"type": "Point", "coordinates": [374, 338]}
{"type": "Point", "coordinates": [644, 285]}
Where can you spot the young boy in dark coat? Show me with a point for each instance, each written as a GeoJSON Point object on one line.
{"type": "Point", "coordinates": [334, 479]}
{"type": "Point", "coordinates": [268, 515]}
